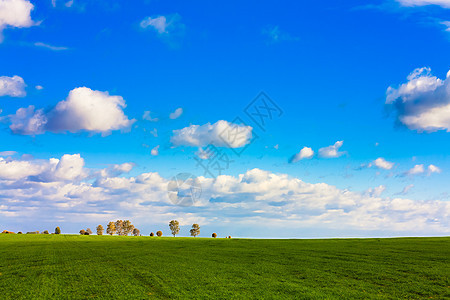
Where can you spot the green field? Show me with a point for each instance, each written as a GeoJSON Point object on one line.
{"type": "Point", "coordinates": [82, 267]}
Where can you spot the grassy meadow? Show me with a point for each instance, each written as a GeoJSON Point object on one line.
{"type": "Point", "coordinates": [112, 267]}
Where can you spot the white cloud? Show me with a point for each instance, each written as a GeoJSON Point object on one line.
{"type": "Point", "coordinates": [158, 23]}
{"type": "Point", "coordinates": [255, 197]}
{"type": "Point", "coordinates": [69, 167]}
{"type": "Point", "coordinates": [176, 114]}
{"type": "Point", "coordinates": [420, 169]}
{"type": "Point", "coordinates": [83, 110]}
{"type": "Point", "coordinates": [376, 191]}
{"type": "Point", "coordinates": [447, 25]}
{"type": "Point", "coordinates": [417, 169]}
{"type": "Point", "coordinates": [382, 164]}
{"type": "Point", "coordinates": [332, 151]}
{"type": "Point", "coordinates": [12, 86]}
{"type": "Point", "coordinates": [305, 153]}
{"type": "Point", "coordinates": [148, 116]}
{"type": "Point", "coordinates": [406, 189]}
{"type": "Point", "coordinates": [39, 87]}
{"type": "Point", "coordinates": [155, 151]}
{"type": "Point", "coordinates": [15, 13]}
{"type": "Point", "coordinates": [423, 103]}
{"type": "Point", "coordinates": [47, 46]}
{"type": "Point", "coordinates": [8, 153]}
{"type": "Point", "coordinates": [220, 134]}
{"type": "Point", "coordinates": [433, 169]}
{"type": "Point", "coordinates": [443, 3]}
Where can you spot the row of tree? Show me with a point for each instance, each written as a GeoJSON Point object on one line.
{"type": "Point", "coordinates": [174, 227]}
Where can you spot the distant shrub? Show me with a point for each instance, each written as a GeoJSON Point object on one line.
{"type": "Point", "coordinates": [8, 232]}
{"type": "Point", "coordinates": [45, 232]}
{"type": "Point", "coordinates": [136, 232]}
{"type": "Point", "coordinates": [20, 232]}
{"type": "Point", "coordinates": [82, 232]}
{"type": "Point", "coordinates": [152, 234]}
{"type": "Point", "coordinates": [89, 231]}
{"type": "Point", "coordinates": [57, 230]}
{"type": "Point", "coordinates": [214, 235]}
{"type": "Point", "coordinates": [33, 232]}
{"type": "Point", "coordinates": [229, 236]}
{"type": "Point", "coordinates": [159, 233]}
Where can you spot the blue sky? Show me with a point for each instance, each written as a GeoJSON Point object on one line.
{"type": "Point", "coordinates": [87, 90]}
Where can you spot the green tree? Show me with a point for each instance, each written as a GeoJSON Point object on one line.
{"type": "Point", "coordinates": [57, 230]}
{"type": "Point", "coordinates": [159, 233]}
{"type": "Point", "coordinates": [100, 230]}
{"type": "Point", "coordinates": [174, 226]}
{"type": "Point", "coordinates": [111, 228]}
{"type": "Point", "coordinates": [136, 232]}
{"type": "Point", "coordinates": [195, 230]}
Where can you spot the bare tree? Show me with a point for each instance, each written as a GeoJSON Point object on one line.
{"type": "Point", "coordinates": [174, 226]}
{"type": "Point", "coordinates": [195, 230]}
{"type": "Point", "coordinates": [111, 228]}
{"type": "Point", "coordinates": [100, 230]}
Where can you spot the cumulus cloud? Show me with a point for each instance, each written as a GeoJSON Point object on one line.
{"type": "Point", "coordinates": [376, 191]}
{"type": "Point", "coordinates": [176, 114]}
{"type": "Point", "coordinates": [332, 151]}
{"type": "Point", "coordinates": [411, 3]}
{"type": "Point", "coordinates": [420, 169]}
{"type": "Point", "coordinates": [382, 164]}
{"type": "Point", "coordinates": [305, 153]}
{"type": "Point", "coordinates": [155, 151]}
{"type": "Point", "coordinates": [69, 167]}
{"type": "Point", "coordinates": [220, 134]}
{"type": "Point", "coordinates": [83, 110]}
{"type": "Point", "coordinates": [423, 102]}
{"type": "Point", "coordinates": [254, 197]}
{"type": "Point", "coordinates": [12, 86]}
{"type": "Point", "coordinates": [15, 13]}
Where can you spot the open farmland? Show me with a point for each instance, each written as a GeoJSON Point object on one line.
{"type": "Point", "coordinates": [71, 266]}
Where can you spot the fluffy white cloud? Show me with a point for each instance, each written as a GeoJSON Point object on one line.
{"type": "Point", "coordinates": [155, 151]}
{"type": "Point", "coordinates": [305, 153]}
{"type": "Point", "coordinates": [220, 134]}
{"type": "Point", "coordinates": [176, 114]}
{"type": "Point", "coordinates": [83, 110]}
{"type": "Point", "coordinates": [433, 169]}
{"type": "Point", "coordinates": [443, 3]}
{"type": "Point", "coordinates": [12, 86]}
{"type": "Point", "coordinates": [332, 151]}
{"type": "Point", "coordinates": [446, 24]}
{"type": "Point", "coordinates": [69, 167]}
{"type": "Point", "coordinates": [423, 103]}
{"type": "Point", "coordinates": [15, 13]}
{"type": "Point", "coordinates": [417, 169]}
{"type": "Point", "coordinates": [383, 164]}
{"type": "Point", "coordinates": [255, 197]}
